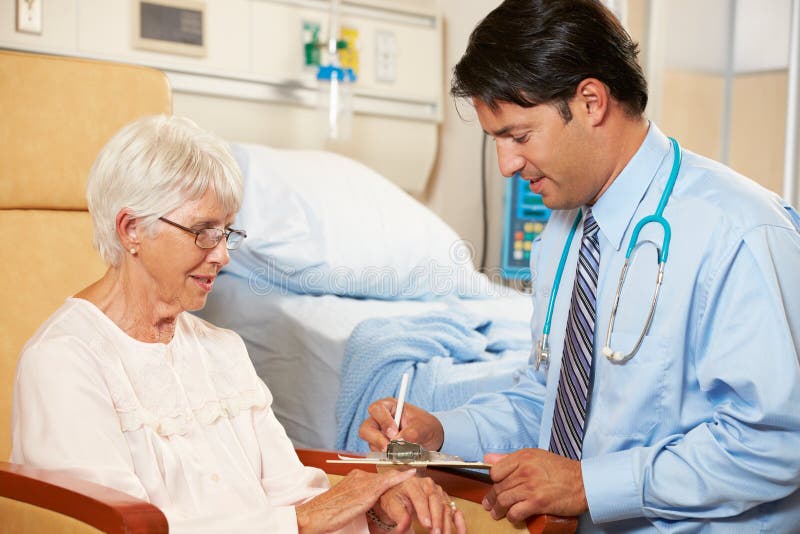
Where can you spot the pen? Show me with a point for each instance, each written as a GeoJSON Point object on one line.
{"type": "Point", "coordinates": [401, 399]}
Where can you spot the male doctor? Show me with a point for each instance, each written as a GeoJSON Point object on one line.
{"type": "Point", "coordinates": [697, 430]}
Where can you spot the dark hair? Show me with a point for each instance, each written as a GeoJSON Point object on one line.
{"type": "Point", "coordinates": [531, 52]}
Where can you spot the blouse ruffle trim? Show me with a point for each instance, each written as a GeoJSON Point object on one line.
{"type": "Point", "coordinates": [181, 422]}
{"type": "Point", "coordinates": [204, 375]}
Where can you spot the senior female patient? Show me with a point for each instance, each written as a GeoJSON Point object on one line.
{"type": "Point", "coordinates": [122, 387]}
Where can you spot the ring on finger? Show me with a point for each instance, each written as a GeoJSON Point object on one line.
{"type": "Point", "coordinates": [453, 506]}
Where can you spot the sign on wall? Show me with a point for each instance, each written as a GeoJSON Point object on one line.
{"type": "Point", "coordinates": [170, 26]}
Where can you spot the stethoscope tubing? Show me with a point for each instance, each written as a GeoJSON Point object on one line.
{"type": "Point", "coordinates": [543, 347]}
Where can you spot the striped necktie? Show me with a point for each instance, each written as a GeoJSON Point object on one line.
{"type": "Point", "coordinates": [569, 417]}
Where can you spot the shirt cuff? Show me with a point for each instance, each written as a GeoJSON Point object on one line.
{"type": "Point", "coordinates": [610, 487]}
{"type": "Point", "coordinates": [460, 435]}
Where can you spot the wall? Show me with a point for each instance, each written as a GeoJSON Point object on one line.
{"type": "Point", "coordinates": [454, 191]}
{"type": "Point", "coordinates": [689, 74]}
{"type": "Point", "coordinates": [693, 110]}
{"type": "Point", "coordinates": [758, 127]}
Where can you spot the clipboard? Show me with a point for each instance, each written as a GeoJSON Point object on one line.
{"type": "Point", "coordinates": [400, 453]}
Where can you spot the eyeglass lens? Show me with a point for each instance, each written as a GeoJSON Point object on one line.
{"type": "Point", "coordinates": [210, 237]}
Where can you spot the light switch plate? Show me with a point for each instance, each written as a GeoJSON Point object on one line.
{"type": "Point", "coordinates": [29, 16]}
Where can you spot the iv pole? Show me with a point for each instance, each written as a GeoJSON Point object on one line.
{"type": "Point", "coordinates": [334, 96]}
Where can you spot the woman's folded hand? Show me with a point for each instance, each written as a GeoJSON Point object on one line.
{"type": "Point", "coordinates": [423, 498]}
{"type": "Point", "coordinates": [351, 497]}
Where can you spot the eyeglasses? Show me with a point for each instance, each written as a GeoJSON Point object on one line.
{"type": "Point", "coordinates": [210, 237]}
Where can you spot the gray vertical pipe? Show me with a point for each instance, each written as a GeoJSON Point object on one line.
{"type": "Point", "coordinates": [656, 39]}
{"type": "Point", "coordinates": [620, 9]}
{"type": "Point", "coordinates": [790, 176]}
{"type": "Point", "coordinates": [727, 97]}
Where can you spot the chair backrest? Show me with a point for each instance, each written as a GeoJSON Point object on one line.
{"type": "Point", "coordinates": [56, 113]}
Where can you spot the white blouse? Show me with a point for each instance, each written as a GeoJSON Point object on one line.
{"type": "Point", "coordinates": [187, 425]}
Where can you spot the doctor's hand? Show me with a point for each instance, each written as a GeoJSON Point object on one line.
{"type": "Point", "coordinates": [418, 426]}
{"type": "Point", "coordinates": [534, 481]}
{"type": "Point", "coordinates": [423, 498]}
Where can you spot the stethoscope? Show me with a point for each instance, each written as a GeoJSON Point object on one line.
{"type": "Point", "coordinates": [543, 347]}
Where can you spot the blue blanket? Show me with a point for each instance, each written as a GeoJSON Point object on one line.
{"type": "Point", "coordinates": [450, 356]}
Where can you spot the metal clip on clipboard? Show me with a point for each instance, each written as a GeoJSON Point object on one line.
{"type": "Point", "coordinates": [402, 451]}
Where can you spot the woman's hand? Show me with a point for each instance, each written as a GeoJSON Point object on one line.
{"type": "Point", "coordinates": [418, 426]}
{"type": "Point", "coordinates": [423, 498]}
{"type": "Point", "coordinates": [351, 497]}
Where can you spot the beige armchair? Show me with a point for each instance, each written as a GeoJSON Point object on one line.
{"type": "Point", "coordinates": [56, 115]}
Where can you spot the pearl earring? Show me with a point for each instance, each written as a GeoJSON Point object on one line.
{"type": "Point", "coordinates": [133, 251]}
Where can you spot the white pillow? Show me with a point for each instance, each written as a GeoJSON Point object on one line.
{"type": "Point", "coordinates": [320, 223]}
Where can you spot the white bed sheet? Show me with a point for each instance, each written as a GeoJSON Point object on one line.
{"type": "Point", "coordinates": [297, 342]}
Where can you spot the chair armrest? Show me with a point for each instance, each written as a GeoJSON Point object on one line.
{"type": "Point", "coordinates": [456, 484]}
{"type": "Point", "coordinates": [103, 508]}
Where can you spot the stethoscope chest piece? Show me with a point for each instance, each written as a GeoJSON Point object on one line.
{"type": "Point", "coordinates": [542, 352]}
{"type": "Point", "coordinates": [615, 356]}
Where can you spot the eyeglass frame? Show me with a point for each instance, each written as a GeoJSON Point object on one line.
{"type": "Point", "coordinates": [224, 232]}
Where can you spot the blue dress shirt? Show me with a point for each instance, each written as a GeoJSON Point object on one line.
{"type": "Point", "coordinates": [700, 430]}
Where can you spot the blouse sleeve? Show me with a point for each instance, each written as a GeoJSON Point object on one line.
{"type": "Point", "coordinates": [284, 478]}
{"type": "Point", "coordinates": [63, 417]}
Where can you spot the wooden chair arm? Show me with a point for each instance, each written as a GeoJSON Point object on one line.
{"type": "Point", "coordinates": [103, 508]}
{"type": "Point", "coordinates": [455, 484]}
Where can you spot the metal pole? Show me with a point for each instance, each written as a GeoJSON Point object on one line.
{"type": "Point", "coordinates": [333, 33]}
{"type": "Point", "coordinates": [790, 177]}
{"type": "Point", "coordinates": [620, 9]}
{"type": "Point", "coordinates": [727, 98]}
{"type": "Point", "coordinates": [655, 57]}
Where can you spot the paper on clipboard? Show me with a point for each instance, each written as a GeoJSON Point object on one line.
{"type": "Point", "coordinates": [412, 463]}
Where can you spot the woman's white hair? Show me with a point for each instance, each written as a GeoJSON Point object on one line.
{"type": "Point", "coordinates": [153, 166]}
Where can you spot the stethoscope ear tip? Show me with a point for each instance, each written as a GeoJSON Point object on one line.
{"type": "Point", "coordinates": [607, 352]}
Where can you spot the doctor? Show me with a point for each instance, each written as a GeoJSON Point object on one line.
{"type": "Point", "coordinates": [689, 423]}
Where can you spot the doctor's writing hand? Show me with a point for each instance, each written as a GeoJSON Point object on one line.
{"type": "Point", "coordinates": [534, 481]}
{"type": "Point", "coordinates": [351, 497]}
{"type": "Point", "coordinates": [418, 426]}
{"type": "Point", "coordinates": [423, 498]}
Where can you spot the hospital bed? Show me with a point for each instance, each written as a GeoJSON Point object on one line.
{"type": "Point", "coordinates": [298, 343]}
{"type": "Point", "coordinates": [63, 111]}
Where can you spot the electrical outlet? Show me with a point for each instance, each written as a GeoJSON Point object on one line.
{"type": "Point", "coordinates": [29, 16]}
{"type": "Point", "coordinates": [386, 56]}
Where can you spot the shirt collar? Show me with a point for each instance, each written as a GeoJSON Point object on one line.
{"type": "Point", "coordinates": [615, 209]}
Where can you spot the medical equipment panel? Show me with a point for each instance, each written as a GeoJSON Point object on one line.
{"type": "Point", "coordinates": [525, 218]}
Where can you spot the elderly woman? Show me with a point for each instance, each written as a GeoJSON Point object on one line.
{"type": "Point", "coordinates": [124, 388]}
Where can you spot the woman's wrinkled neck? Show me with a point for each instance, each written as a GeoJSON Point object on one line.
{"type": "Point", "coordinates": [133, 306]}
